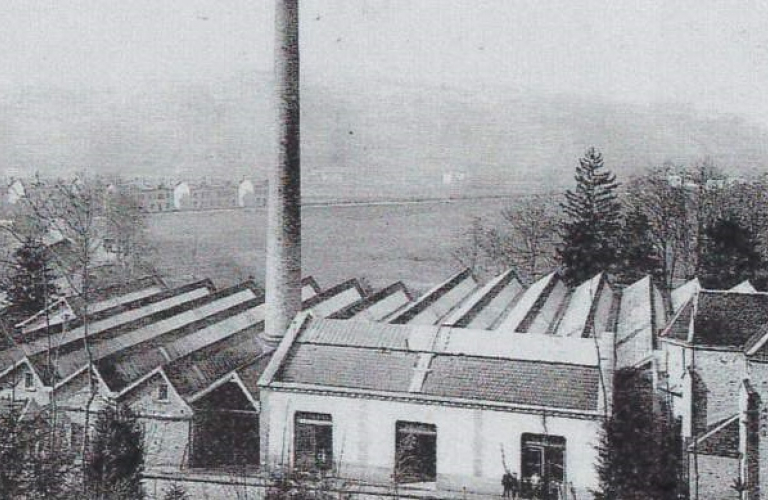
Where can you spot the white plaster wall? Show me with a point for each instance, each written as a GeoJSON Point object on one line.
{"type": "Point", "coordinates": [675, 360]}
{"type": "Point", "coordinates": [469, 441]}
{"type": "Point", "coordinates": [13, 386]}
{"type": "Point", "coordinates": [166, 423]}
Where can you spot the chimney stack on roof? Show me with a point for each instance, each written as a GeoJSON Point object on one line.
{"type": "Point", "coordinates": [283, 273]}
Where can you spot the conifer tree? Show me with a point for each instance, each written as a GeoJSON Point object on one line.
{"type": "Point", "coordinates": [115, 459]}
{"type": "Point", "coordinates": [31, 281]}
{"type": "Point", "coordinates": [593, 221]}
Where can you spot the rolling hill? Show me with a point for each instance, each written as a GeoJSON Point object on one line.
{"type": "Point", "coordinates": [378, 140]}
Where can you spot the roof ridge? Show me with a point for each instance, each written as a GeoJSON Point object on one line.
{"type": "Point", "coordinates": [502, 281]}
{"type": "Point", "coordinates": [429, 298]}
{"type": "Point", "coordinates": [151, 318]}
{"type": "Point", "coordinates": [190, 328]}
{"type": "Point", "coordinates": [367, 301]}
{"type": "Point", "coordinates": [120, 308]}
{"type": "Point", "coordinates": [330, 292]}
{"type": "Point", "coordinates": [527, 321]}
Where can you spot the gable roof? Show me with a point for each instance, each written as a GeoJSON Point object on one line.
{"type": "Point", "coordinates": [440, 364]}
{"type": "Point", "coordinates": [728, 319]}
{"type": "Point", "coordinates": [682, 294]}
{"type": "Point", "coordinates": [743, 287]}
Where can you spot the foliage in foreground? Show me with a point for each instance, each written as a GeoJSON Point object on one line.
{"type": "Point", "coordinates": [640, 454]}
{"type": "Point", "coordinates": [115, 457]}
{"type": "Point", "coordinates": [34, 462]}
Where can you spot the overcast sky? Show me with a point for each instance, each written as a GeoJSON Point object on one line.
{"type": "Point", "coordinates": [711, 54]}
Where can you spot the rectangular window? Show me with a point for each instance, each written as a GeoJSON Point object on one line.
{"type": "Point", "coordinates": [29, 381]}
{"type": "Point", "coordinates": [542, 463]}
{"type": "Point", "coordinates": [415, 452]}
{"type": "Point", "coordinates": [162, 392]}
{"type": "Point", "coordinates": [313, 441]}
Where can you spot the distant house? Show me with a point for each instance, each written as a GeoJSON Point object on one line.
{"type": "Point", "coordinates": [209, 195]}
{"type": "Point", "coordinates": [251, 195]}
{"type": "Point", "coordinates": [150, 197]}
{"type": "Point", "coordinates": [675, 181]}
{"type": "Point", "coordinates": [182, 196]}
{"type": "Point", "coordinates": [15, 192]}
{"type": "Point", "coordinates": [383, 401]}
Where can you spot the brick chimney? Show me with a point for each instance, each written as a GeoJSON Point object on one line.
{"type": "Point", "coordinates": [283, 276]}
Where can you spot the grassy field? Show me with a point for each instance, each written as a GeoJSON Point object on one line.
{"type": "Point", "coordinates": [411, 242]}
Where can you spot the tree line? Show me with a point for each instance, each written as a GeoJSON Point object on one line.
{"type": "Point", "coordinates": [52, 244]}
{"type": "Point", "coordinates": [671, 222]}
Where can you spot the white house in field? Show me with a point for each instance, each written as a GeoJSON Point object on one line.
{"type": "Point", "coordinates": [452, 407]}
{"type": "Point", "coordinates": [14, 192]}
{"type": "Point", "coordinates": [182, 196]}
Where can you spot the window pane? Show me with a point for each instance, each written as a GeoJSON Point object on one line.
{"type": "Point", "coordinates": [415, 452]}
{"type": "Point", "coordinates": [313, 441]}
{"type": "Point", "coordinates": [542, 462]}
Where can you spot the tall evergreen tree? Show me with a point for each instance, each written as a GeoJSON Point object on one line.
{"type": "Point", "coordinates": [31, 281]}
{"type": "Point", "coordinates": [115, 458]}
{"type": "Point", "coordinates": [593, 221]}
{"type": "Point", "coordinates": [730, 254]}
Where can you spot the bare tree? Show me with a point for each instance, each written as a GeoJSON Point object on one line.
{"type": "Point", "coordinates": [680, 203]}
{"type": "Point", "coordinates": [125, 234]}
{"type": "Point", "coordinates": [66, 212]}
{"type": "Point", "coordinates": [670, 212]}
{"type": "Point", "coordinates": [525, 239]}
{"type": "Point", "coordinates": [532, 234]}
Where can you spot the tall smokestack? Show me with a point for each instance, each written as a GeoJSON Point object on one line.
{"type": "Point", "coordinates": [283, 280]}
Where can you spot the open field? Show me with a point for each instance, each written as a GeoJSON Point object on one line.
{"type": "Point", "coordinates": [411, 242]}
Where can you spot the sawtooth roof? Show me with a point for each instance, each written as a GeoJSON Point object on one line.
{"type": "Point", "coordinates": [486, 305]}
{"type": "Point", "coordinates": [199, 369]}
{"type": "Point", "coordinates": [125, 314]}
{"type": "Point", "coordinates": [433, 306]}
{"type": "Point", "coordinates": [72, 356]}
{"type": "Point", "coordinates": [128, 365]}
{"type": "Point", "coordinates": [377, 305]}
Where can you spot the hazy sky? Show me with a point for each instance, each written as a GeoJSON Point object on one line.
{"type": "Point", "coordinates": [711, 54]}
